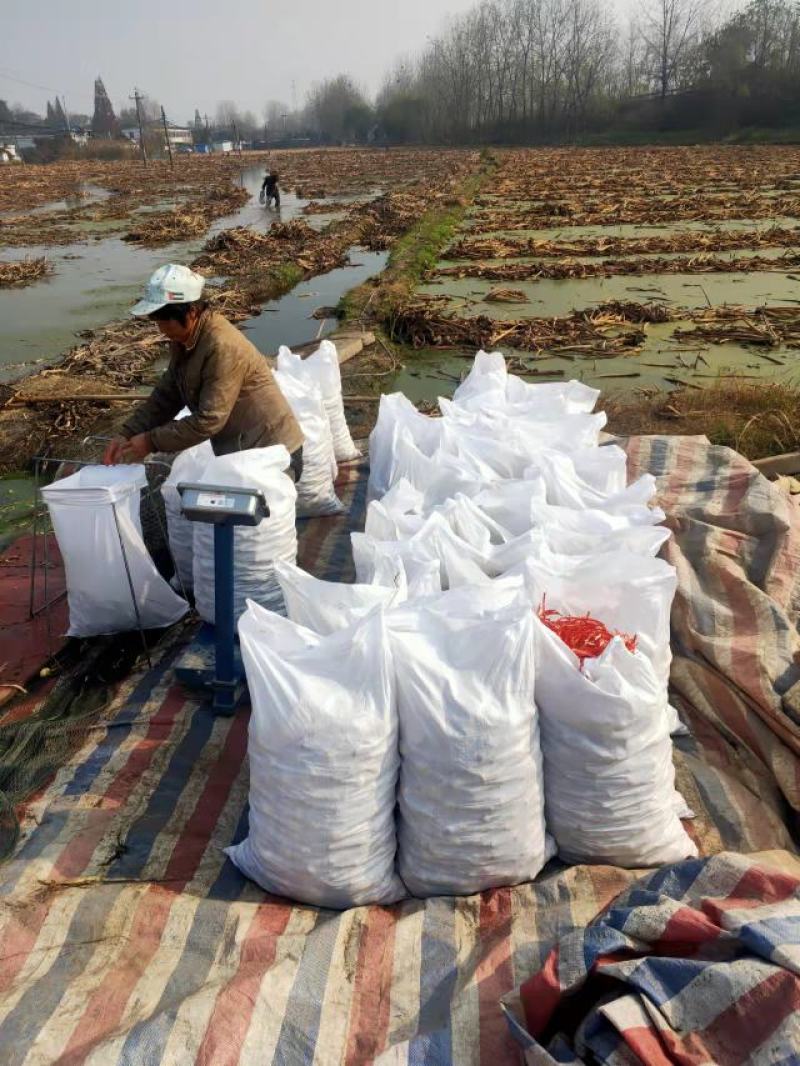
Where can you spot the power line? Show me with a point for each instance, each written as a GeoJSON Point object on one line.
{"type": "Point", "coordinates": [30, 84]}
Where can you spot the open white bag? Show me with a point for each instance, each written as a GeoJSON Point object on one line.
{"type": "Point", "coordinates": [489, 386]}
{"type": "Point", "coordinates": [609, 777]}
{"type": "Point", "coordinates": [255, 548]}
{"type": "Point", "coordinates": [322, 367]}
{"type": "Point", "coordinates": [328, 606]}
{"type": "Point", "coordinates": [188, 465]}
{"type": "Point", "coordinates": [316, 494]}
{"type": "Point", "coordinates": [488, 377]}
{"type": "Point", "coordinates": [95, 546]}
{"type": "Point", "coordinates": [566, 488]}
{"type": "Point", "coordinates": [395, 410]}
{"type": "Point", "coordinates": [471, 796]}
{"type": "Point", "coordinates": [398, 514]}
{"type": "Point", "coordinates": [459, 562]}
{"type": "Point", "coordinates": [629, 593]}
{"type": "Point", "coordinates": [421, 564]}
{"type": "Point", "coordinates": [439, 476]}
{"type": "Point", "coordinates": [324, 761]}
{"type": "Point", "coordinates": [505, 449]}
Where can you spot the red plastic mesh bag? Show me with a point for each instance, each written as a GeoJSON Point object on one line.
{"type": "Point", "coordinates": [585, 636]}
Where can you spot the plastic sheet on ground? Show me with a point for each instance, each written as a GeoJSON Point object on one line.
{"type": "Point", "coordinates": [698, 963]}
{"type": "Point", "coordinates": [127, 937]}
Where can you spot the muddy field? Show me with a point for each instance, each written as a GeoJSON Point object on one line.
{"type": "Point", "coordinates": [157, 204]}
{"type": "Point", "coordinates": [372, 198]}
{"type": "Point", "coordinates": [635, 269]}
{"type": "Point", "coordinates": [642, 271]}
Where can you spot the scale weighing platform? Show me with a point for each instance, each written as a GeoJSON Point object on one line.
{"type": "Point", "coordinates": [224, 508]}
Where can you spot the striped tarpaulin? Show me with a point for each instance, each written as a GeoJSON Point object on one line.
{"type": "Point", "coordinates": [736, 547]}
{"type": "Point", "coordinates": [698, 963]}
{"type": "Point", "coordinates": [126, 937]}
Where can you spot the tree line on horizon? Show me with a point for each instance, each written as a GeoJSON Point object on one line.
{"type": "Point", "coordinates": [533, 71]}
{"type": "Point", "coordinates": [521, 71]}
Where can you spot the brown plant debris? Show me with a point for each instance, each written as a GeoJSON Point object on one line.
{"type": "Point", "coordinates": [766, 327]}
{"type": "Point", "coordinates": [702, 263]}
{"type": "Point", "coordinates": [183, 223]}
{"type": "Point", "coordinates": [258, 266]}
{"type": "Point", "coordinates": [756, 418]}
{"type": "Point", "coordinates": [683, 241]}
{"type": "Point", "coordinates": [20, 272]}
{"type": "Point", "coordinates": [610, 329]}
{"type": "Point", "coordinates": [506, 296]}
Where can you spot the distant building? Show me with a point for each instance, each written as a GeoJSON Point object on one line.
{"type": "Point", "coordinates": [30, 140]}
{"type": "Point", "coordinates": [177, 134]}
{"type": "Point", "coordinates": [8, 153]}
{"type": "Point", "coordinates": [180, 134]}
{"type": "Point", "coordinates": [223, 147]}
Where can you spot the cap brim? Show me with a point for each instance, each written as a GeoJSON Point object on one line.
{"type": "Point", "coordinates": [146, 307]}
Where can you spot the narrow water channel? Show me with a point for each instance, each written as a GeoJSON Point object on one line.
{"type": "Point", "coordinates": [290, 320]}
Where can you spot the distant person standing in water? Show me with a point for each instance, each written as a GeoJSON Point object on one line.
{"type": "Point", "coordinates": [270, 190]}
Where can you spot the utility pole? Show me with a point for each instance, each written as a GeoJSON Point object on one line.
{"type": "Point", "coordinates": [138, 98]}
{"type": "Point", "coordinates": [166, 136]}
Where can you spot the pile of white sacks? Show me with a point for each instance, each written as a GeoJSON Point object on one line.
{"type": "Point", "coordinates": [422, 730]}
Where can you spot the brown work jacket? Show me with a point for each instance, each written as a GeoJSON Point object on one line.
{"type": "Point", "coordinates": [230, 390]}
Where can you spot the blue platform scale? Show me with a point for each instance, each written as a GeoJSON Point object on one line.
{"type": "Point", "coordinates": [224, 508]}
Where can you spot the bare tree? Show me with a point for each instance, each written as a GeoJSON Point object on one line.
{"type": "Point", "coordinates": [227, 115]}
{"type": "Point", "coordinates": [339, 110]}
{"type": "Point", "coordinates": [670, 29]}
{"type": "Point", "coordinates": [633, 60]}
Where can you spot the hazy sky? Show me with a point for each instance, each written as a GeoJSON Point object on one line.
{"type": "Point", "coordinates": [195, 53]}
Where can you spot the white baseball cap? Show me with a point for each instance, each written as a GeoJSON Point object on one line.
{"type": "Point", "coordinates": [171, 284]}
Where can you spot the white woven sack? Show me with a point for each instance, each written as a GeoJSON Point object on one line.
{"type": "Point", "coordinates": [627, 592]}
{"type": "Point", "coordinates": [395, 410]}
{"type": "Point", "coordinates": [487, 378]}
{"type": "Point", "coordinates": [471, 794]}
{"type": "Point", "coordinates": [328, 606]}
{"type": "Point", "coordinates": [566, 488]}
{"type": "Point", "coordinates": [460, 563]}
{"type": "Point", "coordinates": [256, 548]}
{"type": "Point", "coordinates": [324, 760]}
{"type": "Point", "coordinates": [489, 385]}
{"type": "Point", "coordinates": [188, 465]}
{"type": "Point", "coordinates": [609, 777]}
{"type": "Point", "coordinates": [438, 476]}
{"type": "Point", "coordinates": [316, 494]}
{"type": "Point", "coordinates": [95, 547]}
{"type": "Point", "coordinates": [322, 367]}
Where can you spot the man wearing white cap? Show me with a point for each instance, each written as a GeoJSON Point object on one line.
{"type": "Point", "coordinates": [215, 371]}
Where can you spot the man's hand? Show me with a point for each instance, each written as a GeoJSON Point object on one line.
{"type": "Point", "coordinates": [114, 449]}
{"type": "Point", "coordinates": [120, 450]}
{"type": "Point", "coordinates": [137, 448]}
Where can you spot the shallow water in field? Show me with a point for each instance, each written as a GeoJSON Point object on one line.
{"type": "Point", "coordinates": [663, 362]}
{"type": "Point", "coordinates": [97, 281]}
{"type": "Point", "coordinates": [546, 298]}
